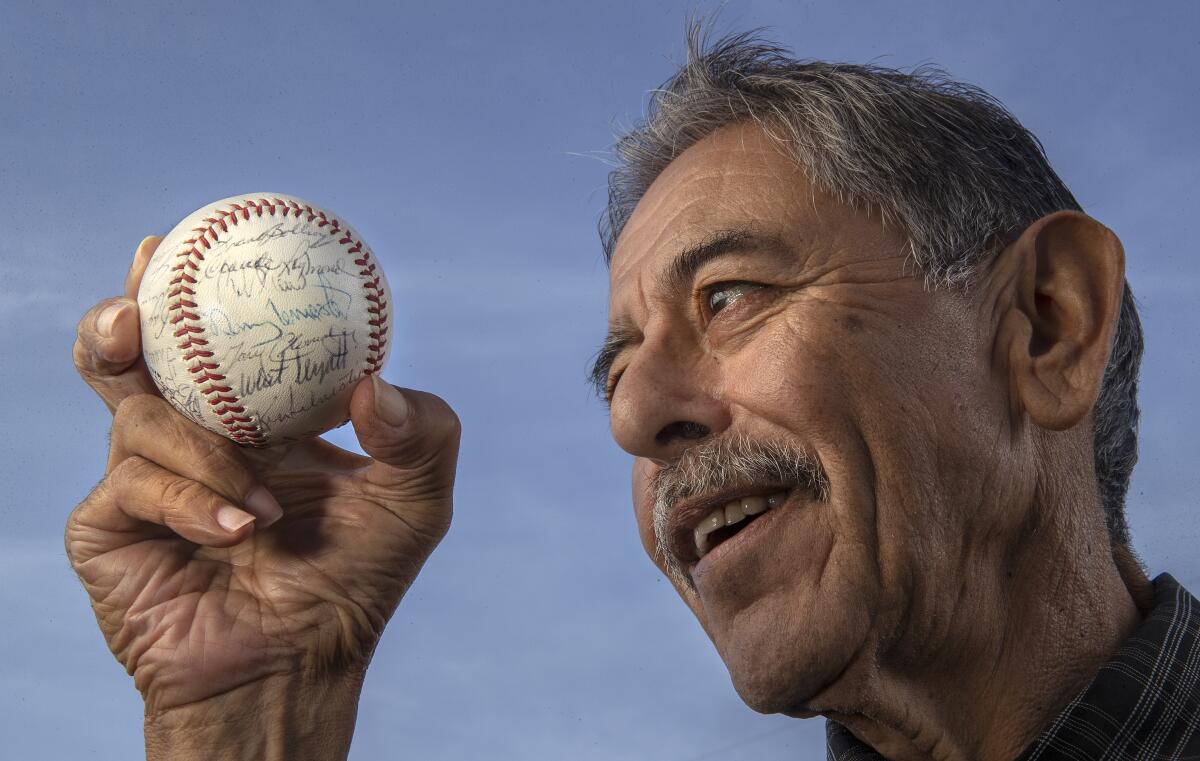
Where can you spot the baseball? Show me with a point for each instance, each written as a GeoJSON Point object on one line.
{"type": "Point", "coordinates": [259, 314]}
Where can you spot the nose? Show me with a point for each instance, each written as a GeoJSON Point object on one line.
{"type": "Point", "coordinates": [667, 400]}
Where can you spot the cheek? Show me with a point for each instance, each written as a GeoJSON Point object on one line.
{"type": "Point", "coordinates": [831, 370]}
{"type": "Point", "coordinates": [836, 384]}
{"type": "Point", "coordinates": [807, 384]}
{"type": "Point", "coordinates": [795, 374]}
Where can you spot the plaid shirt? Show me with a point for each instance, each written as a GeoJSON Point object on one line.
{"type": "Point", "coordinates": [1142, 704]}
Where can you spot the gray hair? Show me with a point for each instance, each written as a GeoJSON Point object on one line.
{"type": "Point", "coordinates": [941, 160]}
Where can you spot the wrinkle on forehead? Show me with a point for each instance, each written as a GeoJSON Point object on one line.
{"type": "Point", "coordinates": [708, 180]}
{"type": "Point", "coordinates": [738, 177]}
{"type": "Point", "coordinates": [707, 170]}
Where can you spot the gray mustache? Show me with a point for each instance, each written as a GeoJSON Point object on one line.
{"type": "Point", "coordinates": [729, 463]}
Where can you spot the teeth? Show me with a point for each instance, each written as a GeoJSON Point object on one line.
{"type": "Point", "coordinates": [733, 512]}
{"type": "Point", "coordinates": [754, 505]}
{"type": "Point", "coordinates": [714, 521]}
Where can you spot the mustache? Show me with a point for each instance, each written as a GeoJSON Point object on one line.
{"type": "Point", "coordinates": [729, 463]}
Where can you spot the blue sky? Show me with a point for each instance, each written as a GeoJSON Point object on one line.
{"type": "Point", "coordinates": [468, 143]}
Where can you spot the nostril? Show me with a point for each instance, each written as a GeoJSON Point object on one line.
{"type": "Point", "coordinates": [681, 429]}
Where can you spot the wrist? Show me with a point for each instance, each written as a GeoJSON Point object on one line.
{"type": "Point", "coordinates": [282, 717]}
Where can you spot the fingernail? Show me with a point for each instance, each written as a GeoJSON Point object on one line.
{"type": "Point", "coordinates": [390, 404]}
{"type": "Point", "coordinates": [232, 519]}
{"type": "Point", "coordinates": [107, 318]}
{"type": "Point", "coordinates": [264, 506]}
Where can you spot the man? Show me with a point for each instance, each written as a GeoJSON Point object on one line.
{"type": "Point", "coordinates": [878, 373]}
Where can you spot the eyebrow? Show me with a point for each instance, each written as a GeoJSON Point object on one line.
{"type": "Point", "coordinates": [620, 336]}
{"type": "Point", "coordinates": [677, 277]}
{"type": "Point", "coordinates": [679, 273]}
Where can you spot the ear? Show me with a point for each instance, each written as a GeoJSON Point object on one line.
{"type": "Point", "coordinates": [1068, 277]}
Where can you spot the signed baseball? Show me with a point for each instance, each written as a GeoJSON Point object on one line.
{"type": "Point", "coordinates": [259, 314]}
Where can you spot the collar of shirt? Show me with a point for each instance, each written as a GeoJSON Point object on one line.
{"type": "Point", "coordinates": [1142, 704]}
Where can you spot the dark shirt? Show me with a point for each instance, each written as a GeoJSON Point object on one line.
{"type": "Point", "coordinates": [1142, 704]}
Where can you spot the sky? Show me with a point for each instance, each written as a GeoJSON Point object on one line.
{"type": "Point", "coordinates": [469, 144]}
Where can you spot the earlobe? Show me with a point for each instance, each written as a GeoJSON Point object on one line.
{"type": "Point", "coordinates": [1064, 303]}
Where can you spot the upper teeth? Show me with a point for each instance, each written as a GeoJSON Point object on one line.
{"type": "Point", "coordinates": [733, 511]}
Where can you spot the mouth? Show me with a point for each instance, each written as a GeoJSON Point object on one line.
{"type": "Point", "coordinates": [701, 525]}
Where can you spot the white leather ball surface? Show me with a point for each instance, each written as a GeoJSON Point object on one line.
{"type": "Point", "coordinates": [259, 314]}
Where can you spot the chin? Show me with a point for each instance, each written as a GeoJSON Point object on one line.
{"type": "Point", "coordinates": [772, 698]}
{"type": "Point", "coordinates": [793, 611]}
{"type": "Point", "coordinates": [785, 659]}
{"type": "Point", "coordinates": [790, 676]}
{"type": "Point", "coordinates": [786, 689]}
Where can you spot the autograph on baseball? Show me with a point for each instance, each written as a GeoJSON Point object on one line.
{"type": "Point", "coordinates": [259, 314]}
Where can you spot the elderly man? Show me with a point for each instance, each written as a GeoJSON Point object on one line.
{"type": "Point", "coordinates": [878, 373]}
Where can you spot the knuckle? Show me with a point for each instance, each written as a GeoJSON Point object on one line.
{"type": "Point", "coordinates": [447, 419]}
{"type": "Point", "coordinates": [445, 427]}
{"type": "Point", "coordinates": [73, 521]}
{"type": "Point", "coordinates": [86, 329]}
{"type": "Point", "coordinates": [76, 528]}
{"type": "Point", "coordinates": [125, 474]}
{"type": "Point", "coordinates": [185, 503]}
{"type": "Point", "coordinates": [431, 443]}
{"type": "Point", "coordinates": [71, 540]}
{"type": "Point", "coordinates": [135, 410]}
{"type": "Point", "coordinates": [453, 422]}
{"type": "Point", "coordinates": [125, 419]}
{"type": "Point", "coordinates": [83, 352]}
{"type": "Point", "coordinates": [217, 459]}
{"type": "Point", "coordinates": [438, 420]}
{"type": "Point", "coordinates": [146, 415]}
{"type": "Point", "coordinates": [82, 357]}
{"type": "Point", "coordinates": [84, 326]}
{"type": "Point", "coordinates": [180, 496]}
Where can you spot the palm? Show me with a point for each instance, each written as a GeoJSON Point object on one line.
{"type": "Point", "coordinates": [313, 592]}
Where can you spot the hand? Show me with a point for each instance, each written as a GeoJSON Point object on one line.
{"type": "Point", "coordinates": [219, 575]}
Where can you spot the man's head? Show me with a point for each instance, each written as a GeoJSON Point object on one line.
{"type": "Point", "coordinates": [845, 315]}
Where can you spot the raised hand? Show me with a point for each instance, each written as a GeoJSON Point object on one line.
{"type": "Point", "coordinates": [236, 585]}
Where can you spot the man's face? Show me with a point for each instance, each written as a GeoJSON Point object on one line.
{"type": "Point", "coordinates": [772, 347]}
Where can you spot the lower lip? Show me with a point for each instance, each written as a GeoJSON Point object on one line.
{"type": "Point", "coordinates": [741, 541]}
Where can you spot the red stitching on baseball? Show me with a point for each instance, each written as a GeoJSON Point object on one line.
{"type": "Point", "coordinates": [227, 406]}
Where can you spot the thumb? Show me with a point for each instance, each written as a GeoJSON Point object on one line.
{"type": "Point", "coordinates": [413, 438]}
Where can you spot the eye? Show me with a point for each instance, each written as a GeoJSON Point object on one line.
{"type": "Point", "coordinates": [721, 295]}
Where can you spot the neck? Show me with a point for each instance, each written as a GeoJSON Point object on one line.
{"type": "Point", "coordinates": [1027, 631]}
